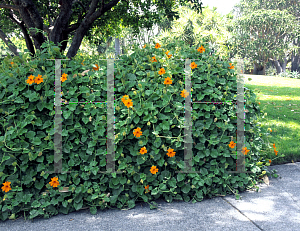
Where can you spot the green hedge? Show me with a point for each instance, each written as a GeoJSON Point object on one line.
{"type": "Point", "coordinates": [27, 115]}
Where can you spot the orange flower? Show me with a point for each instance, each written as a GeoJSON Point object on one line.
{"type": "Point", "coordinates": [275, 152]}
{"type": "Point", "coordinates": [128, 103]}
{"type": "Point", "coordinates": [270, 161]}
{"type": "Point", "coordinates": [96, 68]}
{"type": "Point", "coordinates": [270, 130]}
{"type": "Point", "coordinates": [169, 56]}
{"type": "Point", "coordinates": [170, 152]}
{"type": "Point", "coordinates": [274, 146]}
{"type": "Point", "coordinates": [157, 46]}
{"type": "Point", "coordinates": [232, 144]}
{"type": "Point", "coordinates": [54, 182]}
{"type": "Point", "coordinates": [125, 97]}
{"type": "Point", "coordinates": [82, 63]}
{"type": "Point", "coordinates": [38, 79]}
{"type": "Point", "coordinates": [143, 150]}
{"type": "Point", "coordinates": [193, 65]}
{"type": "Point", "coordinates": [167, 52]}
{"type": "Point", "coordinates": [259, 103]}
{"type": "Point", "coordinates": [6, 186]}
{"type": "Point", "coordinates": [147, 189]}
{"type": "Point", "coordinates": [168, 80]}
{"type": "Point", "coordinates": [144, 46]}
{"type": "Point", "coordinates": [201, 49]}
{"type": "Point", "coordinates": [184, 93]}
{"type": "Point", "coordinates": [64, 77]}
{"type": "Point", "coordinates": [153, 170]}
{"type": "Point", "coordinates": [137, 132]}
{"type": "Point", "coordinates": [245, 151]}
{"type": "Point", "coordinates": [161, 71]}
{"type": "Point", "coordinates": [30, 80]}
{"type": "Point", "coordinates": [231, 67]}
{"type": "Point", "coordinates": [12, 63]}
{"type": "Point", "coordinates": [153, 59]}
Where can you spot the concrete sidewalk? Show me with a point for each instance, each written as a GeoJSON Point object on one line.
{"type": "Point", "coordinates": [275, 207]}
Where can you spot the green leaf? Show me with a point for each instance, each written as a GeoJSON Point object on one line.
{"type": "Point", "coordinates": [36, 141]}
{"type": "Point", "coordinates": [78, 206]}
{"type": "Point", "coordinates": [30, 134]}
{"type": "Point", "coordinates": [186, 188]}
{"type": "Point", "coordinates": [180, 177]}
{"type": "Point", "coordinates": [4, 158]}
{"type": "Point", "coordinates": [35, 204]}
{"type": "Point", "coordinates": [172, 182]}
{"type": "Point", "coordinates": [93, 210]}
{"type": "Point", "coordinates": [115, 181]}
{"type": "Point", "coordinates": [85, 120]}
{"type": "Point", "coordinates": [136, 119]}
{"type": "Point", "coordinates": [39, 184]}
{"type": "Point", "coordinates": [46, 124]}
{"type": "Point", "coordinates": [131, 203]}
{"type": "Point", "coordinates": [148, 92]}
{"type": "Point", "coordinates": [65, 204]}
{"type": "Point", "coordinates": [140, 159]}
{"type": "Point", "coordinates": [66, 114]}
{"type": "Point", "coordinates": [84, 89]}
{"type": "Point", "coordinates": [18, 100]}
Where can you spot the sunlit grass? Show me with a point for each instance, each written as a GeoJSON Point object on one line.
{"type": "Point", "coordinates": [279, 97]}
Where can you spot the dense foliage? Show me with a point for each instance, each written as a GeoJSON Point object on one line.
{"type": "Point", "coordinates": [149, 120]}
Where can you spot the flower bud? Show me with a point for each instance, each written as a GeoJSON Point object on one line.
{"type": "Point", "coordinates": [134, 92]}
{"type": "Point", "coordinates": [215, 120]}
{"type": "Point", "coordinates": [131, 126]}
{"type": "Point", "coordinates": [148, 123]}
{"type": "Point", "coordinates": [128, 181]}
{"type": "Point", "coordinates": [122, 154]}
{"type": "Point", "coordinates": [166, 163]}
{"type": "Point", "coordinates": [124, 133]}
{"type": "Point", "coordinates": [118, 108]}
{"type": "Point", "coordinates": [43, 68]}
{"type": "Point", "coordinates": [226, 123]}
{"type": "Point", "coordinates": [64, 65]}
{"type": "Point", "coordinates": [14, 164]}
{"type": "Point", "coordinates": [140, 85]}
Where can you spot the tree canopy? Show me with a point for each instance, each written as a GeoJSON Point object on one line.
{"type": "Point", "coordinates": [73, 19]}
{"type": "Point", "coordinates": [265, 30]}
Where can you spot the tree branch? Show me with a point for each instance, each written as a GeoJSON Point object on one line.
{"type": "Point", "coordinates": [9, 43]}
{"type": "Point", "coordinates": [27, 38]}
{"type": "Point", "coordinates": [9, 7]}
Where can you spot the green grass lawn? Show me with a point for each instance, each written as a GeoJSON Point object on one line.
{"type": "Point", "coordinates": [279, 97]}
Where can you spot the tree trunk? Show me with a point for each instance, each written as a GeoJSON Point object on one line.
{"type": "Point", "coordinates": [277, 66]}
{"type": "Point", "coordinates": [259, 69]}
{"type": "Point", "coordinates": [295, 63]}
{"type": "Point", "coordinates": [78, 37]}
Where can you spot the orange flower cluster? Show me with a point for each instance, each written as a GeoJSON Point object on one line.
{"type": "Point", "coordinates": [244, 150]}
{"type": "Point", "coordinates": [231, 67]}
{"type": "Point", "coordinates": [275, 149]}
{"type": "Point", "coordinates": [39, 79]}
{"type": "Point", "coordinates": [54, 183]}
